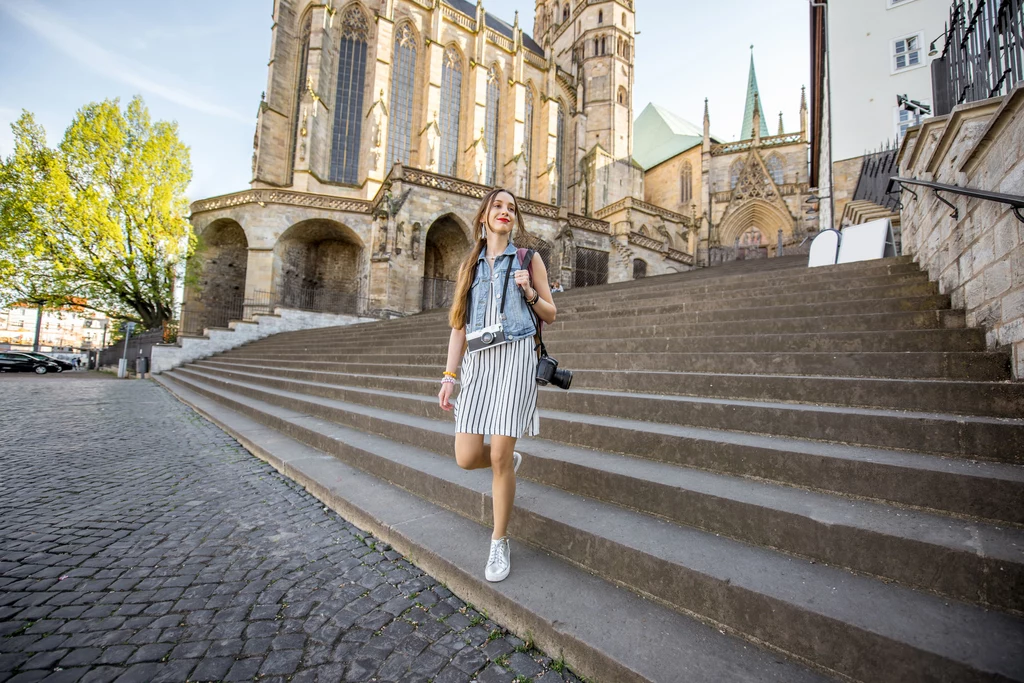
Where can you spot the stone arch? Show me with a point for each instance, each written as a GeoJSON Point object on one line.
{"type": "Point", "coordinates": [765, 216]}
{"type": "Point", "coordinates": [639, 268]}
{"type": "Point", "coordinates": [317, 266]}
{"type": "Point", "coordinates": [444, 248]}
{"type": "Point", "coordinates": [219, 262]}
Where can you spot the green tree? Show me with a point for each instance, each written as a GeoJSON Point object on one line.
{"type": "Point", "coordinates": [99, 221]}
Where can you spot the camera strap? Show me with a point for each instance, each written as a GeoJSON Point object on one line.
{"type": "Point", "coordinates": [528, 259]}
{"type": "Point", "coordinates": [504, 291]}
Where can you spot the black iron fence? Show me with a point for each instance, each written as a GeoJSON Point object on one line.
{"type": "Point", "coordinates": [200, 315]}
{"type": "Point", "coordinates": [873, 183]}
{"type": "Point", "coordinates": [139, 346]}
{"type": "Point", "coordinates": [983, 55]}
{"type": "Point", "coordinates": [437, 293]}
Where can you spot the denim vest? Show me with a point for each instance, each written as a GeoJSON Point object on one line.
{"type": "Point", "coordinates": [518, 319]}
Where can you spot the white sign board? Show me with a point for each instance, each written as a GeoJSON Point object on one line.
{"type": "Point", "coordinates": [824, 248]}
{"type": "Point", "coordinates": [867, 241]}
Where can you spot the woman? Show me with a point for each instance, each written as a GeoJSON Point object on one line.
{"type": "Point", "coordinates": [499, 388]}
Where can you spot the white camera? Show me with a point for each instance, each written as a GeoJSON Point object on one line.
{"type": "Point", "coordinates": [486, 338]}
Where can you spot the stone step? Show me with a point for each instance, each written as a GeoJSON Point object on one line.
{"type": "Point", "coordinates": [893, 341]}
{"type": "Point", "coordinates": [655, 327]}
{"type": "Point", "coordinates": [727, 289]}
{"type": "Point", "coordinates": [744, 277]}
{"type": "Point", "coordinates": [857, 626]}
{"type": "Point", "coordinates": [964, 436]}
{"type": "Point", "coordinates": [645, 641]}
{"type": "Point", "coordinates": [988, 491]}
{"type": "Point", "coordinates": [878, 324]}
{"type": "Point", "coordinates": [993, 399]}
{"type": "Point", "coordinates": [976, 366]}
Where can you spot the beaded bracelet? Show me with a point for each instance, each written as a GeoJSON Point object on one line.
{"type": "Point", "coordinates": [447, 373]}
{"type": "Point", "coordinates": [447, 380]}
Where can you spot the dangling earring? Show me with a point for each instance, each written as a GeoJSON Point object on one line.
{"type": "Point", "coordinates": [483, 231]}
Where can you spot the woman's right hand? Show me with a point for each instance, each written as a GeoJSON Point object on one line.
{"type": "Point", "coordinates": [446, 393]}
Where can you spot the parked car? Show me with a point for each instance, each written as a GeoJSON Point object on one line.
{"type": "Point", "coordinates": [62, 364]}
{"type": "Point", "coordinates": [19, 362]}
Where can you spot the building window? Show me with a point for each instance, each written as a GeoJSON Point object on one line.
{"type": "Point", "coordinates": [565, 12]}
{"type": "Point", "coordinates": [904, 120]}
{"type": "Point", "coordinates": [600, 16]}
{"type": "Point", "coordinates": [604, 46]}
{"type": "Point", "coordinates": [686, 182]}
{"type": "Point", "coordinates": [560, 155]}
{"type": "Point", "coordinates": [300, 84]}
{"type": "Point", "coordinates": [734, 173]}
{"type": "Point", "coordinates": [639, 268]}
{"type": "Point", "coordinates": [403, 82]}
{"type": "Point", "coordinates": [623, 97]}
{"type": "Point", "coordinates": [906, 52]}
{"type": "Point", "coordinates": [491, 125]}
{"type": "Point", "coordinates": [528, 139]}
{"type": "Point", "coordinates": [348, 103]}
{"type": "Point", "coordinates": [774, 165]}
{"type": "Point", "coordinates": [623, 18]}
{"type": "Point", "coordinates": [451, 106]}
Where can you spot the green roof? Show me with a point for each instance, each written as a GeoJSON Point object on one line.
{"type": "Point", "coordinates": [747, 131]}
{"type": "Point", "coordinates": [659, 135]}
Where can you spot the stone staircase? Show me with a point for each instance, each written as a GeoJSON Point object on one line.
{"type": "Point", "coordinates": [762, 473]}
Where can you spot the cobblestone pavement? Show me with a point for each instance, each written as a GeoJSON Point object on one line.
{"type": "Point", "coordinates": [139, 542]}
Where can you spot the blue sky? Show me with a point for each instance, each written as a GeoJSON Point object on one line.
{"type": "Point", "coordinates": [203, 64]}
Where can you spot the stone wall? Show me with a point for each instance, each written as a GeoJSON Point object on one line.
{"type": "Point", "coordinates": [977, 256]}
{"type": "Point", "coordinates": [166, 357]}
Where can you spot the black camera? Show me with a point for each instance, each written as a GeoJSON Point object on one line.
{"type": "Point", "coordinates": [548, 373]}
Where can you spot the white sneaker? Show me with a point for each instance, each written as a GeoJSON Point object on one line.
{"type": "Point", "coordinates": [500, 562]}
{"type": "Point", "coordinates": [517, 460]}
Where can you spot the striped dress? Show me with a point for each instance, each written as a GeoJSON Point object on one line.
{"type": "Point", "coordinates": [498, 393]}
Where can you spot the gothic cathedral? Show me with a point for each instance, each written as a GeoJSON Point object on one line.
{"type": "Point", "coordinates": [385, 121]}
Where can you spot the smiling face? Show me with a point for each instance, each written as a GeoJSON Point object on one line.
{"type": "Point", "coordinates": [501, 217]}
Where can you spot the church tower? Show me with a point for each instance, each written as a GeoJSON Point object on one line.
{"type": "Point", "coordinates": [592, 44]}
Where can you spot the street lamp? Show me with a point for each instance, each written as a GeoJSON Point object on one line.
{"type": "Point", "coordinates": [828, 105]}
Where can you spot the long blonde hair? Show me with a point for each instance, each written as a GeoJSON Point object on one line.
{"type": "Point", "coordinates": [458, 315]}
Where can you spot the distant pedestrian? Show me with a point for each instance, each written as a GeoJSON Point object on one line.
{"type": "Point", "coordinates": [556, 287]}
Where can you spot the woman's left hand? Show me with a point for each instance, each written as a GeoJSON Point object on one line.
{"type": "Point", "coordinates": [523, 282]}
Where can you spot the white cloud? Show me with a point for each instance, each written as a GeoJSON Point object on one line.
{"type": "Point", "coordinates": [49, 27]}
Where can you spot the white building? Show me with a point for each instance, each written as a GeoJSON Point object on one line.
{"type": "Point", "coordinates": [877, 50]}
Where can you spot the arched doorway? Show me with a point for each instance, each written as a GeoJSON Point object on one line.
{"type": "Point", "coordinates": [215, 291]}
{"type": "Point", "coordinates": [316, 268]}
{"type": "Point", "coordinates": [445, 247]}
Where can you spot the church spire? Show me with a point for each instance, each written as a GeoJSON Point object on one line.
{"type": "Point", "coordinates": [753, 100]}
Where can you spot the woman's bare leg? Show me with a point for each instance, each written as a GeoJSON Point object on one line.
{"type": "Point", "coordinates": [503, 486]}
{"type": "Point", "coordinates": [471, 452]}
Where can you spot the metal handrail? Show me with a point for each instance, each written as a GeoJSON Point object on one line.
{"type": "Point", "coordinates": [1015, 201]}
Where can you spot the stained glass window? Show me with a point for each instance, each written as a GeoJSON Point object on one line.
{"type": "Point", "coordinates": [300, 84]}
{"type": "Point", "coordinates": [491, 125]}
{"type": "Point", "coordinates": [528, 139]}
{"type": "Point", "coordinates": [734, 175]}
{"type": "Point", "coordinates": [403, 82]}
{"type": "Point", "coordinates": [774, 165]}
{"type": "Point", "coordinates": [348, 101]}
{"type": "Point", "coordinates": [451, 105]}
{"type": "Point", "coordinates": [687, 182]}
{"type": "Point", "coordinates": [560, 155]}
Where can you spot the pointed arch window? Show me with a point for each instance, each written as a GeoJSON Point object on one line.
{"type": "Point", "coordinates": [686, 182]}
{"type": "Point", "coordinates": [300, 83]}
{"type": "Point", "coordinates": [403, 83]}
{"type": "Point", "coordinates": [734, 173]}
{"type": "Point", "coordinates": [491, 125]}
{"type": "Point", "coordinates": [600, 16]}
{"type": "Point", "coordinates": [348, 101]}
{"type": "Point", "coordinates": [775, 168]}
{"type": "Point", "coordinates": [528, 139]}
{"type": "Point", "coordinates": [560, 155]}
{"type": "Point", "coordinates": [451, 106]}
{"type": "Point", "coordinates": [565, 12]}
